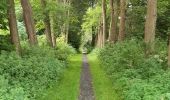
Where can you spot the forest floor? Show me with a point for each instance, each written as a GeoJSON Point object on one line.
{"type": "Point", "coordinates": [83, 80]}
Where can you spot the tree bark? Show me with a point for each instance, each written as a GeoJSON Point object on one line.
{"type": "Point", "coordinates": [104, 21]}
{"type": "Point", "coordinates": [13, 26]}
{"type": "Point", "coordinates": [93, 38]}
{"type": "Point", "coordinates": [116, 18]}
{"type": "Point", "coordinates": [112, 30]}
{"type": "Point", "coordinates": [53, 31]}
{"type": "Point", "coordinates": [150, 26]}
{"type": "Point", "coordinates": [68, 23]}
{"type": "Point", "coordinates": [121, 36]}
{"type": "Point", "coordinates": [47, 24]}
{"type": "Point", "coordinates": [169, 51]}
{"type": "Point", "coordinates": [99, 35]}
{"type": "Point", "coordinates": [29, 22]}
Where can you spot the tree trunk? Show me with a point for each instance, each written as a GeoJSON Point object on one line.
{"type": "Point", "coordinates": [150, 26]}
{"type": "Point", "coordinates": [112, 30]}
{"type": "Point", "coordinates": [116, 18]}
{"type": "Point", "coordinates": [94, 36]}
{"type": "Point", "coordinates": [168, 47]}
{"type": "Point", "coordinates": [53, 31]}
{"type": "Point", "coordinates": [13, 26]}
{"type": "Point", "coordinates": [169, 51]}
{"type": "Point", "coordinates": [104, 21]}
{"type": "Point", "coordinates": [68, 23]}
{"type": "Point", "coordinates": [99, 35]}
{"type": "Point", "coordinates": [121, 36]}
{"type": "Point", "coordinates": [29, 22]}
{"type": "Point", "coordinates": [47, 24]}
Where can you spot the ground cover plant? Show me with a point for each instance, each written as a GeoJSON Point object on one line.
{"type": "Point", "coordinates": [137, 77]}
{"type": "Point", "coordinates": [28, 76]}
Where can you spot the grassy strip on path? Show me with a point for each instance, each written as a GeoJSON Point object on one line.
{"type": "Point", "coordinates": [103, 87]}
{"type": "Point", "coordinates": [68, 87]}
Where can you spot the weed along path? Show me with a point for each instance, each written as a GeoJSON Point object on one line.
{"type": "Point", "coordinates": [68, 87]}
{"type": "Point", "coordinates": [86, 88]}
{"type": "Point", "coordinates": [103, 87]}
{"type": "Point", "coordinates": [84, 79]}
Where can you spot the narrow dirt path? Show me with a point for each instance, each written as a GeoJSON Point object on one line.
{"type": "Point", "coordinates": [86, 88]}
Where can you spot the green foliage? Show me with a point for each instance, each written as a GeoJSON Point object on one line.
{"type": "Point", "coordinates": [42, 40]}
{"type": "Point", "coordinates": [22, 31]}
{"type": "Point", "coordinates": [136, 12]}
{"type": "Point", "coordinates": [68, 87]}
{"type": "Point", "coordinates": [163, 18]}
{"type": "Point", "coordinates": [74, 39]}
{"type": "Point", "coordinates": [66, 49]}
{"type": "Point", "coordinates": [103, 87]}
{"type": "Point", "coordinates": [7, 92]}
{"type": "Point", "coordinates": [120, 54]}
{"type": "Point", "coordinates": [137, 77]}
{"type": "Point", "coordinates": [26, 77]}
{"type": "Point", "coordinates": [88, 47]}
{"type": "Point", "coordinates": [63, 49]}
{"type": "Point", "coordinates": [3, 14]}
{"type": "Point", "coordinates": [91, 18]}
{"type": "Point", "coordinates": [5, 43]}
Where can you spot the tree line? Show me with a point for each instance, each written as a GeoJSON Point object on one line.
{"type": "Point", "coordinates": [49, 20]}
{"type": "Point", "coordinates": [111, 23]}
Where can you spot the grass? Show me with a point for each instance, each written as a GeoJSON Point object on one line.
{"type": "Point", "coordinates": [103, 87]}
{"type": "Point", "coordinates": [68, 87]}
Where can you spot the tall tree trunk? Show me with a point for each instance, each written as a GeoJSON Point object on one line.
{"type": "Point", "coordinates": [121, 36]}
{"type": "Point", "coordinates": [150, 26]}
{"type": "Point", "coordinates": [29, 22]}
{"type": "Point", "coordinates": [93, 40]}
{"type": "Point", "coordinates": [47, 24]}
{"type": "Point", "coordinates": [13, 26]}
{"type": "Point", "coordinates": [116, 18]}
{"type": "Point", "coordinates": [104, 21]}
{"type": "Point", "coordinates": [65, 24]}
{"type": "Point", "coordinates": [112, 30]}
{"type": "Point", "coordinates": [99, 35]}
{"type": "Point", "coordinates": [53, 31]}
{"type": "Point", "coordinates": [169, 51]}
{"type": "Point", "coordinates": [68, 23]}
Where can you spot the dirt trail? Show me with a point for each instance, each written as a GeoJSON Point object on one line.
{"type": "Point", "coordinates": [86, 88]}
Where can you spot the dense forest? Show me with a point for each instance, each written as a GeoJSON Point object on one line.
{"type": "Point", "coordinates": [125, 46]}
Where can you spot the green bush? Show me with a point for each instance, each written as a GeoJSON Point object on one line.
{"type": "Point", "coordinates": [8, 92]}
{"type": "Point", "coordinates": [42, 40]}
{"type": "Point", "coordinates": [128, 54]}
{"type": "Point", "coordinates": [66, 48]}
{"type": "Point", "coordinates": [137, 77]}
{"type": "Point", "coordinates": [5, 44]}
{"type": "Point", "coordinates": [28, 76]}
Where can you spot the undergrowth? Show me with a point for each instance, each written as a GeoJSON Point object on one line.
{"type": "Point", "coordinates": [26, 77]}
{"type": "Point", "coordinates": [137, 77]}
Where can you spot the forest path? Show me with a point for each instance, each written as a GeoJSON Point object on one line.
{"type": "Point", "coordinates": [68, 87]}
{"type": "Point", "coordinates": [86, 88]}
